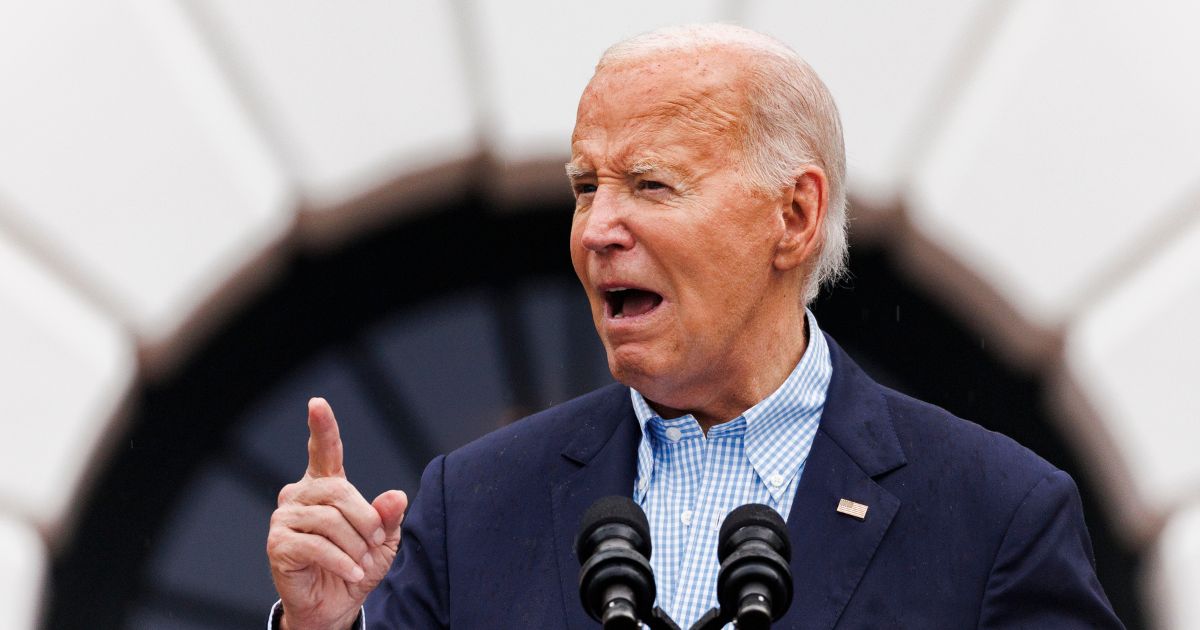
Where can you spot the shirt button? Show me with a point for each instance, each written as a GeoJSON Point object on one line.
{"type": "Point", "coordinates": [775, 480]}
{"type": "Point", "coordinates": [686, 517]}
{"type": "Point", "coordinates": [674, 434]}
{"type": "Point", "coordinates": [643, 483]}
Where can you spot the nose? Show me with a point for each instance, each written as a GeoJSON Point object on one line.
{"type": "Point", "coordinates": [604, 228]}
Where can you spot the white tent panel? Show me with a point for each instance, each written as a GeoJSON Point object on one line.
{"type": "Point", "coordinates": [1173, 574]}
{"type": "Point", "coordinates": [1133, 358]}
{"type": "Point", "coordinates": [1074, 140]}
{"type": "Point", "coordinates": [534, 70]}
{"type": "Point", "coordinates": [22, 572]}
{"type": "Point", "coordinates": [354, 94]}
{"type": "Point", "coordinates": [65, 368]}
{"type": "Point", "coordinates": [127, 159]}
{"type": "Point", "coordinates": [889, 65]}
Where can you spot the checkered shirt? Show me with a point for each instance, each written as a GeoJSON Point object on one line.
{"type": "Point", "coordinates": [687, 483]}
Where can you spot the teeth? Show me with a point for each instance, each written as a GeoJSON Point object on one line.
{"type": "Point", "coordinates": [614, 291]}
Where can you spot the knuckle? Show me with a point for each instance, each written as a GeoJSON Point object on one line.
{"type": "Point", "coordinates": [278, 543]}
{"type": "Point", "coordinates": [317, 486]}
{"type": "Point", "coordinates": [307, 546]}
{"type": "Point", "coordinates": [358, 547]}
{"type": "Point", "coordinates": [287, 517]}
{"type": "Point", "coordinates": [286, 494]}
{"type": "Point", "coordinates": [340, 489]}
{"type": "Point", "coordinates": [280, 525]}
{"type": "Point", "coordinates": [326, 513]}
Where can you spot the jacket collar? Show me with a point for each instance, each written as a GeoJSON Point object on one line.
{"type": "Point", "coordinates": [601, 460]}
{"type": "Point", "coordinates": [855, 444]}
{"type": "Point", "coordinates": [857, 418]}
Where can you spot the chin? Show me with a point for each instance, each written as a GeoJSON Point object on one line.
{"type": "Point", "coordinates": [630, 367]}
{"type": "Point", "coordinates": [642, 370]}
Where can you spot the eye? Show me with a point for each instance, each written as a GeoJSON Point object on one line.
{"type": "Point", "coordinates": [649, 184]}
{"type": "Point", "coordinates": [584, 189]}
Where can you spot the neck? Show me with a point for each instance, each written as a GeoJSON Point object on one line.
{"type": "Point", "coordinates": [748, 378]}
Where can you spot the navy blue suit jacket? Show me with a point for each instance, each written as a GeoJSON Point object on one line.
{"type": "Point", "coordinates": [965, 528]}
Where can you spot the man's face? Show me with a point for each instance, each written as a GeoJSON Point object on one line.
{"type": "Point", "coordinates": [674, 251]}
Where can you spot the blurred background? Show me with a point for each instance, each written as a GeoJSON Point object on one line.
{"type": "Point", "coordinates": [211, 210]}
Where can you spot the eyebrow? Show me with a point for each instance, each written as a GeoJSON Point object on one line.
{"type": "Point", "coordinates": [678, 174]}
{"type": "Point", "coordinates": [574, 171]}
{"type": "Point", "coordinates": [641, 167]}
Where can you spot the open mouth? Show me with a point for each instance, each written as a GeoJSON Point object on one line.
{"type": "Point", "coordinates": [622, 303]}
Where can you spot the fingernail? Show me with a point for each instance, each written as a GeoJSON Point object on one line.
{"type": "Point", "coordinates": [367, 561]}
{"type": "Point", "coordinates": [379, 536]}
{"type": "Point", "coordinates": [357, 574]}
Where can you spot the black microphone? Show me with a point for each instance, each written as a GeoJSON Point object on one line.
{"type": "Point", "coordinates": [616, 583]}
{"type": "Point", "coordinates": [754, 583]}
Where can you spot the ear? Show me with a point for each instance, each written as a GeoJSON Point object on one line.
{"type": "Point", "coordinates": [803, 217]}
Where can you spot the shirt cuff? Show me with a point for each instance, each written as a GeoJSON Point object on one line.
{"type": "Point", "coordinates": [277, 613]}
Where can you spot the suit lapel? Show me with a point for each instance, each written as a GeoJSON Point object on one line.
{"type": "Point", "coordinates": [601, 460]}
{"type": "Point", "coordinates": [855, 443]}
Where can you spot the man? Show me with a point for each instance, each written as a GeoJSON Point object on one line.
{"type": "Point", "coordinates": [707, 165]}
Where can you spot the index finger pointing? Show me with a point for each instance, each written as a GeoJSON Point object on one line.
{"type": "Point", "coordinates": [324, 441]}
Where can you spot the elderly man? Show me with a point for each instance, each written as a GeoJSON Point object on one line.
{"type": "Point", "coordinates": [707, 165]}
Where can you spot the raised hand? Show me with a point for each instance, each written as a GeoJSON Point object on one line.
{"type": "Point", "coordinates": [327, 546]}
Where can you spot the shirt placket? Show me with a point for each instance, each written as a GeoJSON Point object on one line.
{"type": "Point", "coordinates": [688, 465]}
{"type": "Point", "coordinates": [700, 552]}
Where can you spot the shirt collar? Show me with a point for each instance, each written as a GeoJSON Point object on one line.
{"type": "Point", "coordinates": [779, 429]}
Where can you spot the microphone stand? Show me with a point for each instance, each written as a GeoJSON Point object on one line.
{"type": "Point", "coordinates": [712, 620]}
{"type": "Point", "coordinates": [659, 620]}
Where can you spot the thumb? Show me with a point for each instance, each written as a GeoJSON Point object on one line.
{"type": "Point", "coordinates": [391, 506]}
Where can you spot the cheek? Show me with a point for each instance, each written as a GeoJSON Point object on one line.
{"type": "Point", "coordinates": [577, 251]}
{"type": "Point", "coordinates": [743, 252]}
{"type": "Point", "coordinates": [720, 288]}
{"type": "Point", "coordinates": [579, 263]}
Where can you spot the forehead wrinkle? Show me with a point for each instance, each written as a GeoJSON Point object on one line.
{"type": "Point", "coordinates": [698, 85]}
{"type": "Point", "coordinates": [701, 111]}
{"type": "Point", "coordinates": [701, 114]}
{"type": "Point", "coordinates": [699, 123]}
{"type": "Point", "coordinates": [703, 121]}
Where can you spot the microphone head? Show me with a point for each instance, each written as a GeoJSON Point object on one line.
{"type": "Point", "coordinates": [613, 510]}
{"type": "Point", "coordinates": [616, 583]}
{"type": "Point", "coordinates": [752, 514]}
{"type": "Point", "coordinates": [754, 583]}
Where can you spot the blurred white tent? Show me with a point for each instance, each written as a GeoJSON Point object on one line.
{"type": "Point", "coordinates": [1036, 164]}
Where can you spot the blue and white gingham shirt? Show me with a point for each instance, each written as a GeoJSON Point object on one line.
{"type": "Point", "coordinates": [687, 483]}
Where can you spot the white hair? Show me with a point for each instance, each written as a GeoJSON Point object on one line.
{"type": "Point", "coordinates": [792, 122]}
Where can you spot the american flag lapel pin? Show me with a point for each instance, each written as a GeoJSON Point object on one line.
{"type": "Point", "coordinates": [851, 508]}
